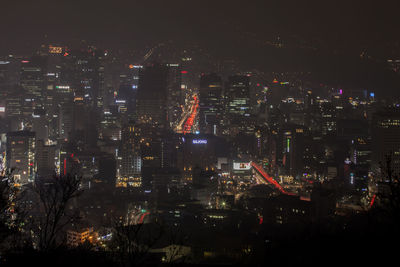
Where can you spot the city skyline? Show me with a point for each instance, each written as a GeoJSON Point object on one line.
{"type": "Point", "coordinates": [151, 133]}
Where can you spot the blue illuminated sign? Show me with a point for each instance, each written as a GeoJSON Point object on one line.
{"type": "Point", "coordinates": [199, 141]}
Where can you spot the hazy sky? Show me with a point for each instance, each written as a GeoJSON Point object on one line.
{"type": "Point", "coordinates": [350, 22]}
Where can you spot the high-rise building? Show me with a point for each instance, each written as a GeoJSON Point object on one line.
{"type": "Point", "coordinates": [151, 103]}
{"type": "Point", "coordinates": [9, 74]}
{"type": "Point", "coordinates": [20, 156]}
{"type": "Point", "coordinates": [293, 149]}
{"type": "Point", "coordinates": [33, 73]}
{"type": "Point", "coordinates": [355, 140]}
{"type": "Point", "coordinates": [45, 159]}
{"type": "Point", "coordinates": [14, 106]}
{"type": "Point", "coordinates": [39, 124]}
{"type": "Point", "coordinates": [110, 128]}
{"type": "Point", "coordinates": [130, 161]}
{"type": "Point", "coordinates": [237, 93]}
{"type": "Point", "coordinates": [65, 120]}
{"type": "Point", "coordinates": [127, 93]}
{"type": "Point", "coordinates": [175, 94]}
{"type": "Point", "coordinates": [107, 168]}
{"type": "Point", "coordinates": [360, 155]}
{"type": "Point", "coordinates": [211, 104]}
{"type": "Point", "coordinates": [328, 118]}
{"type": "Point", "coordinates": [386, 139]}
{"type": "Point", "coordinates": [84, 72]}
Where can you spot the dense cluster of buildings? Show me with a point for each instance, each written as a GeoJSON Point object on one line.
{"type": "Point", "coordinates": [163, 136]}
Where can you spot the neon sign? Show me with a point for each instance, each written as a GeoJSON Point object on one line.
{"type": "Point", "coordinates": [199, 141]}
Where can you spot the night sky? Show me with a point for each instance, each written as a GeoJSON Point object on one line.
{"type": "Point", "coordinates": [352, 24]}
{"type": "Point", "coordinates": [325, 37]}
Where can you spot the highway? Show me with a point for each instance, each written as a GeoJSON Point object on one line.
{"type": "Point", "coordinates": [267, 179]}
{"type": "Point", "coordinates": [185, 125]}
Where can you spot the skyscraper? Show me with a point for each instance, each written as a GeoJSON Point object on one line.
{"type": "Point", "coordinates": [152, 96]}
{"type": "Point", "coordinates": [237, 93]}
{"type": "Point", "coordinates": [386, 138]}
{"type": "Point", "coordinates": [85, 73]}
{"type": "Point", "coordinates": [45, 159]}
{"type": "Point", "coordinates": [33, 80]}
{"type": "Point", "coordinates": [20, 156]}
{"type": "Point", "coordinates": [130, 161]}
{"type": "Point", "coordinates": [211, 103]}
{"type": "Point", "coordinates": [293, 149]}
{"type": "Point", "coordinates": [175, 94]}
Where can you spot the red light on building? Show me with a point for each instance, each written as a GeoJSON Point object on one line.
{"type": "Point", "coordinates": [372, 201]}
{"type": "Point", "coordinates": [184, 72]}
{"type": "Point", "coordinates": [65, 166]}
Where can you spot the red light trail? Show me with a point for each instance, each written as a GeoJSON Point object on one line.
{"type": "Point", "coordinates": [269, 179]}
{"type": "Point", "coordinates": [372, 201]}
{"type": "Point", "coordinates": [142, 217]}
{"type": "Point", "coordinates": [189, 122]}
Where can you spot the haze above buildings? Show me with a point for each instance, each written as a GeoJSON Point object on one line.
{"type": "Point", "coordinates": [238, 128]}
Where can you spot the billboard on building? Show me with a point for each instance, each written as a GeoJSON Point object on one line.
{"type": "Point", "coordinates": [241, 166]}
{"type": "Point", "coordinates": [55, 49]}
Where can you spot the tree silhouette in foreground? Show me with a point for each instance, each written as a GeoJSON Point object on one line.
{"type": "Point", "coordinates": [54, 196]}
{"type": "Point", "coordinates": [12, 214]}
{"type": "Point", "coordinates": [132, 242]}
{"type": "Point", "coordinates": [5, 206]}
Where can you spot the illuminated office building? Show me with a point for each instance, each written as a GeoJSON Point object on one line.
{"type": "Point", "coordinates": [130, 161]}
{"type": "Point", "coordinates": [45, 159]}
{"type": "Point", "coordinates": [33, 72]}
{"type": "Point", "coordinates": [20, 156]}
{"type": "Point", "coordinates": [237, 93]}
{"type": "Point", "coordinates": [211, 104]}
{"type": "Point", "coordinates": [386, 138]}
{"type": "Point", "coordinates": [151, 103]}
{"type": "Point", "coordinates": [175, 94]}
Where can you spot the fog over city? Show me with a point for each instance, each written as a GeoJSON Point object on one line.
{"type": "Point", "coordinates": [199, 133]}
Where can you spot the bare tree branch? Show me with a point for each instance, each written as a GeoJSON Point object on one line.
{"type": "Point", "coordinates": [54, 196]}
